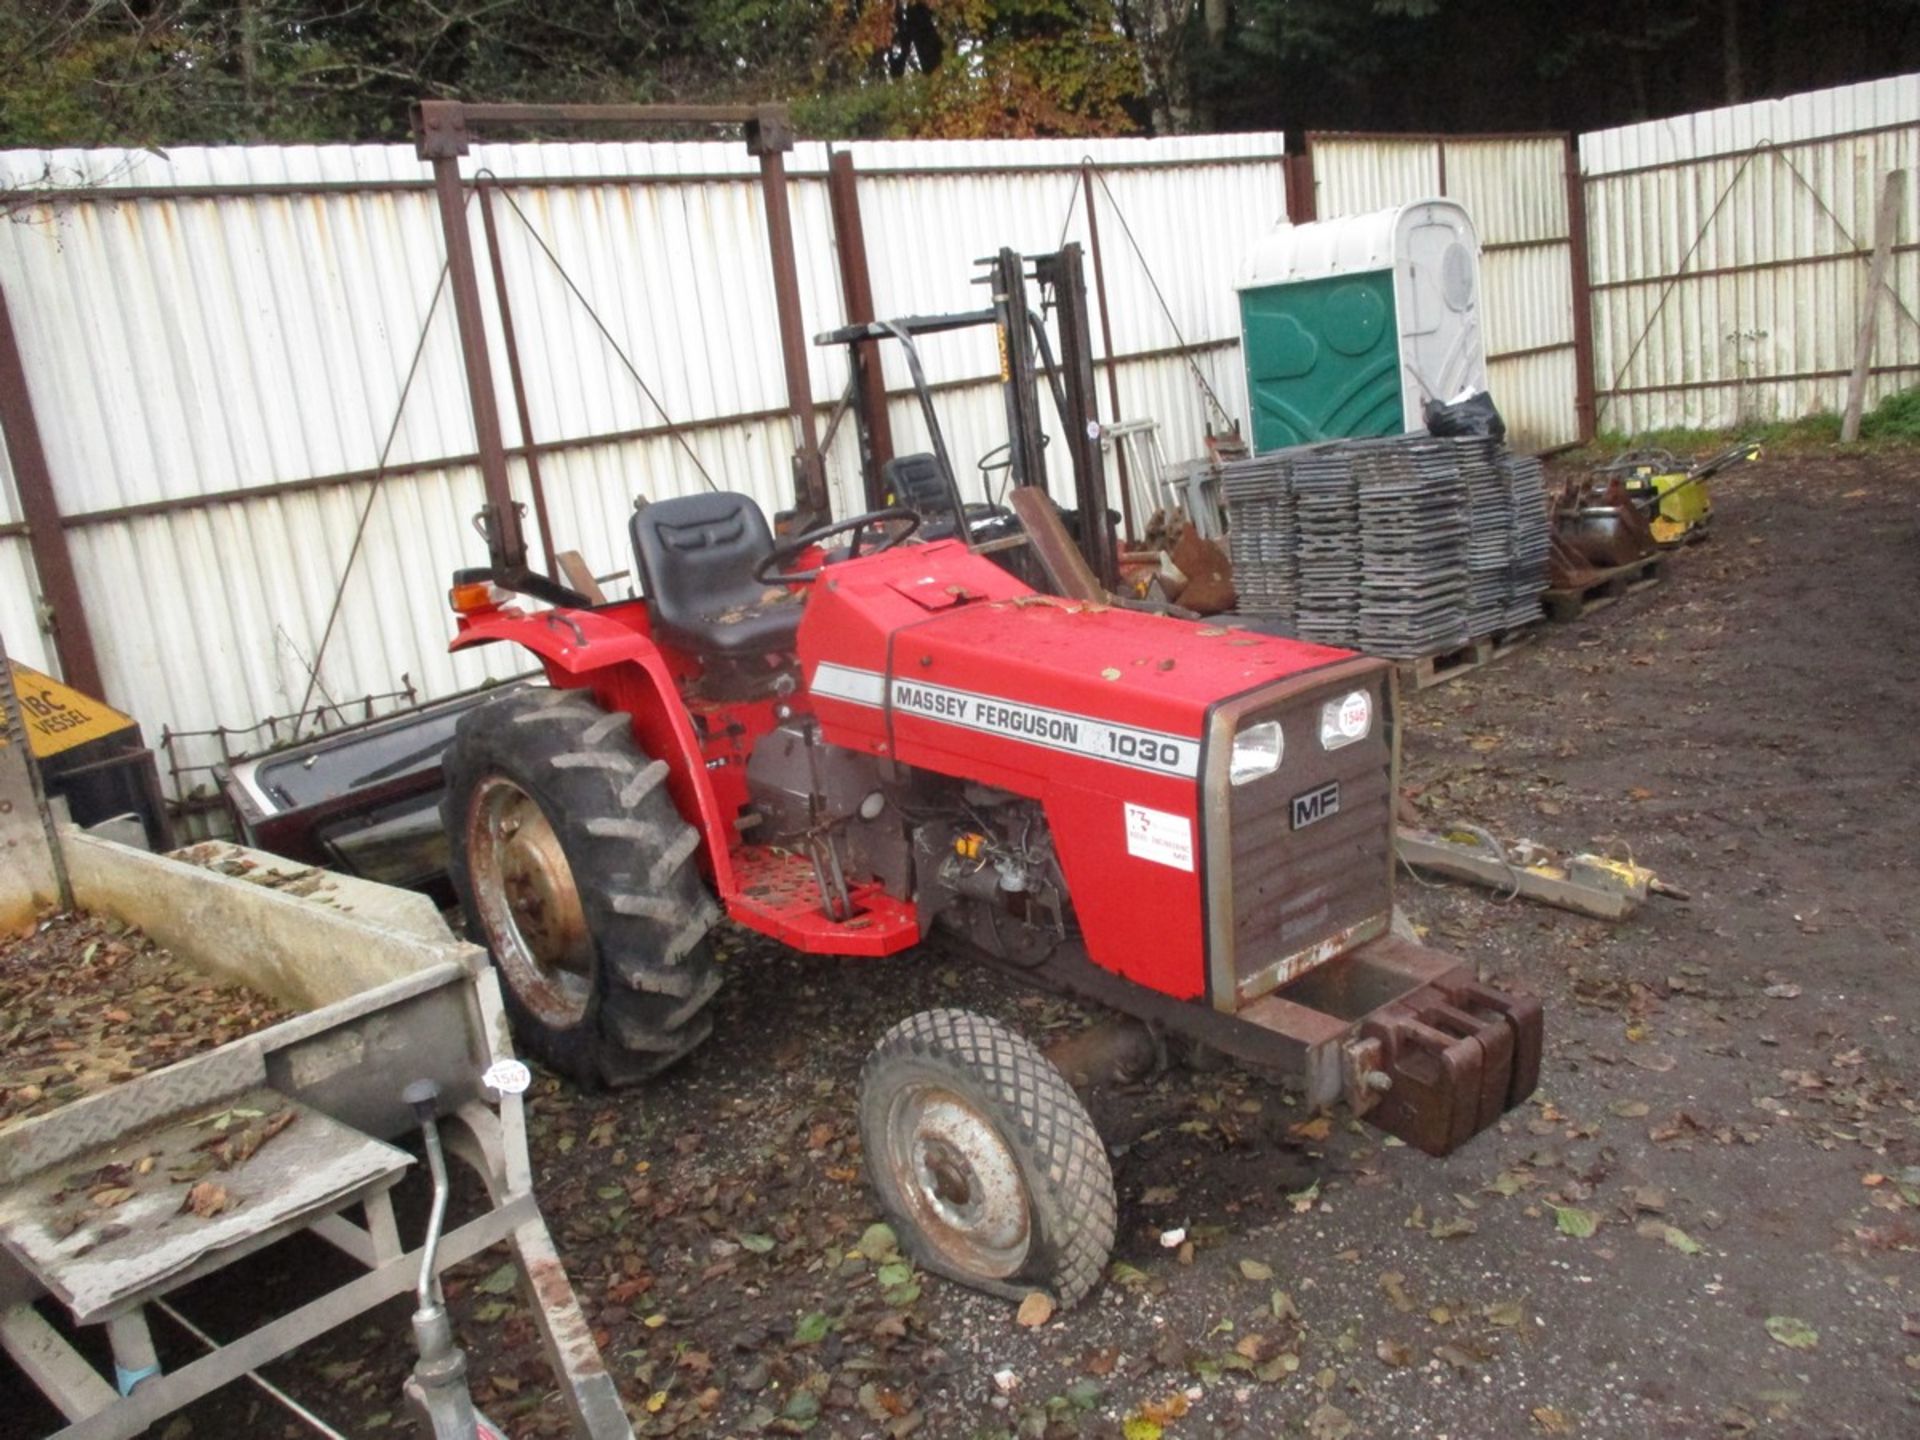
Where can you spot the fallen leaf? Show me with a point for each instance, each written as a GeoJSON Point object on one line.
{"type": "Point", "coordinates": [1318, 1128]}
{"type": "Point", "coordinates": [207, 1200]}
{"type": "Point", "coordinates": [1172, 1407]}
{"type": "Point", "coordinates": [1782, 992]}
{"type": "Point", "coordinates": [1505, 1313]}
{"type": "Point", "coordinates": [1452, 1229]}
{"type": "Point", "coordinates": [1551, 1421]}
{"type": "Point", "coordinates": [1035, 1310]}
{"type": "Point", "coordinates": [497, 1282]}
{"type": "Point", "coordinates": [1255, 1270]}
{"type": "Point", "coordinates": [1329, 1422]}
{"type": "Point", "coordinates": [756, 1244]}
{"type": "Point", "coordinates": [1127, 1277]}
{"type": "Point", "coordinates": [878, 1242]}
{"type": "Point", "coordinates": [1395, 1353]}
{"type": "Point", "coordinates": [1272, 1372]}
{"type": "Point", "coordinates": [1671, 1235]}
{"type": "Point", "coordinates": [1793, 1333]}
{"type": "Point", "coordinates": [1628, 1109]}
{"type": "Point", "coordinates": [810, 1329]}
{"type": "Point", "coordinates": [1508, 1183]}
{"type": "Point", "coordinates": [1574, 1221]}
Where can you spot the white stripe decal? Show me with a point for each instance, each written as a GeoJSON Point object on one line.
{"type": "Point", "coordinates": [843, 682]}
{"type": "Point", "coordinates": [1138, 749]}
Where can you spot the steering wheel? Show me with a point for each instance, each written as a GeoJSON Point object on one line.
{"type": "Point", "coordinates": [1000, 457]}
{"type": "Point", "coordinates": [771, 571]}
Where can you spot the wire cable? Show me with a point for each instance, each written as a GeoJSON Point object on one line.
{"type": "Point", "coordinates": [373, 494]}
{"type": "Point", "coordinates": [673, 428]}
{"type": "Point", "coordinates": [1206, 386]}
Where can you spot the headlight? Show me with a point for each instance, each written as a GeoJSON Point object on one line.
{"type": "Point", "coordinates": [1346, 720]}
{"type": "Point", "coordinates": [1256, 752]}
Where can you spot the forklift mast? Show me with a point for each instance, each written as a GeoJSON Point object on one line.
{"type": "Point", "coordinates": [1027, 356]}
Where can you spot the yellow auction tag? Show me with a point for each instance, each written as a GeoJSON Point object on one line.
{"type": "Point", "coordinates": [58, 716]}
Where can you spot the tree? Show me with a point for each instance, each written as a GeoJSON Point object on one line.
{"type": "Point", "coordinates": [958, 68]}
{"type": "Point", "coordinates": [99, 72]}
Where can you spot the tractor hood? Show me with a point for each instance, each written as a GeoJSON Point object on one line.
{"type": "Point", "coordinates": [1121, 725]}
{"type": "Point", "coordinates": [941, 658]}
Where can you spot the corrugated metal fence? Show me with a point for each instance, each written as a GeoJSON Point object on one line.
{"type": "Point", "coordinates": [217, 342]}
{"type": "Point", "coordinates": [1516, 188]}
{"type": "Point", "coordinates": [1729, 257]}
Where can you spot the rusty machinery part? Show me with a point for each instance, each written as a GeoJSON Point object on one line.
{"type": "Point", "coordinates": [984, 1158]}
{"type": "Point", "coordinates": [1403, 1035]}
{"type": "Point", "coordinates": [577, 873]}
{"type": "Point", "coordinates": [529, 906]}
{"type": "Point", "coordinates": [1596, 528]}
{"type": "Point", "coordinates": [1440, 1065]}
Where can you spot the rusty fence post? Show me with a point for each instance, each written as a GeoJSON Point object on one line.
{"type": "Point", "coordinates": [46, 531]}
{"type": "Point", "coordinates": [516, 377]}
{"type": "Point", "coordinates": [441, 138]}
{"type": "Point", "coordinates": [769, 137]}
{"type": "Point", "coordinates": [1113, 366]}
{"type": "Point", "coordinates": [1301, 199]}
{"type": "Point", "coordinates": [1578, 262]}
{"type": "Point", "coordinates": [856, 286]}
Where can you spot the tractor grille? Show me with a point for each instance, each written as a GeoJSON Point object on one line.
{"type": "Point", "coordinates": [1296, 875]}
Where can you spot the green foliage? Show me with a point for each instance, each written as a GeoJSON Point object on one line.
{"type": "Point", "coordinates": [1895, 421]}
{"type": "Point", "coordinates": [1895, 418]}
{"type": "Point", "coordinates": [90, 72]}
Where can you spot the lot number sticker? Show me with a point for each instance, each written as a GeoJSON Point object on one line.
{"type": "Point", "coordinates": [1163, 838]}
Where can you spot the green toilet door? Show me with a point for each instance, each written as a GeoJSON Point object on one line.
{"type": "Point", "coordinates": [1323, 359]}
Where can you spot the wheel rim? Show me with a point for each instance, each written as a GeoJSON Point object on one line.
{"type": "Point", "coordinates": [528, 904]}
{"type": "Point", "coordinates": [959, 1181]}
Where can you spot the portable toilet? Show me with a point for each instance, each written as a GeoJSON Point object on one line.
{"type": "Point", "coordinates": [1349, 326]}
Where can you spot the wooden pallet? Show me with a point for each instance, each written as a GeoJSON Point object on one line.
{"type": "Point", "coordinates": [1430, 670]}
{"type": "Point", "coordinates": [1605, 588]}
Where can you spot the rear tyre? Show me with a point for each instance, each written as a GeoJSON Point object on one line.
{"type": "Point", "coordinates": [577, 874]}
{"type": "Point", "coordinates": [986, 1162]}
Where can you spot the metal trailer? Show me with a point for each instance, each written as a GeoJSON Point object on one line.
{"type": "Point", "coordinates": [386, 998]}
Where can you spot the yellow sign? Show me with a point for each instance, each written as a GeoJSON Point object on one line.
{"type": "Point", "coordinates": [58, 716]}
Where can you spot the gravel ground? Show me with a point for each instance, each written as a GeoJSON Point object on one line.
{"type": "Point", "coordinates": [1704, 1224]}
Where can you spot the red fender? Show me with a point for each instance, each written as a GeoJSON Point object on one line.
{"type": "Point", "coordinates": [602, 651]}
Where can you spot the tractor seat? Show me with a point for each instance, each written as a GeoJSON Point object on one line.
{"type": "Point", "coordinates": [697, 555]}
{"type": "Point", "coordinates": [916, 481]}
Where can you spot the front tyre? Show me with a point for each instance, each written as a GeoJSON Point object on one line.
{"type": "Point", "coordinates": [985, 1160]}
{"type": "Point", "coordinates": [577, 874]}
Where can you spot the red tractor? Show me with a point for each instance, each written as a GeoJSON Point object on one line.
{"type": "Point", "coordinates": [846, 738]}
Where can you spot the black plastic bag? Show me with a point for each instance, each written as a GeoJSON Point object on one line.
{"type": "Point", "coordinates": [1472, 414]}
